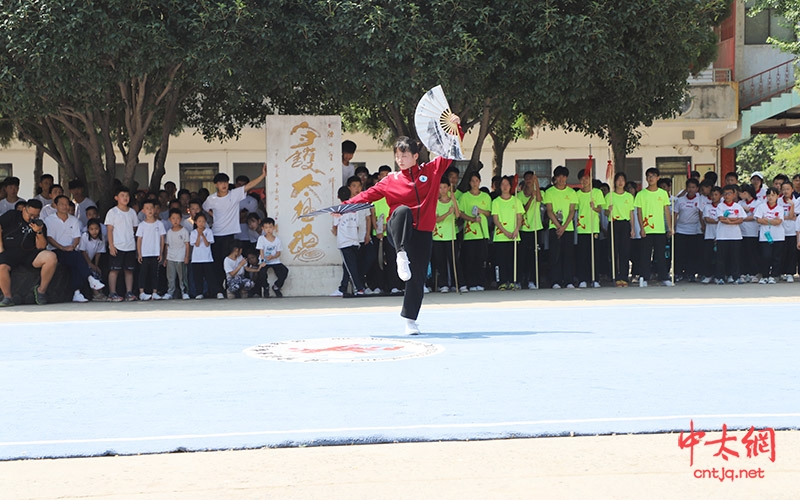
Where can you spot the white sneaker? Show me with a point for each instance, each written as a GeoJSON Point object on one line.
{"type": "Point", "coordinates": [444, 289]}
{"type": "Point", "coordinates": [403, 266]}
{"type": "Point", "coordinates": [377, 291]}
{"type": "Point", "coordinates": [199, 297]}
{"type": "Point", "coordinates": [145, 296]}
{"type": "Point", "coordinates": [783, 277]}
{"type": "Point", "coordinates": [411, 327]}
{"type": "Point", "coordinates": [479, 288]}
{"type": "Point", "coordinates": [78, 297]}
{"type": "Point", "coordinates": [395, 291]}
{"type": "Point", "coordinates": [463, 289]}
{"type": "Point", "coordinates": [771, 281]}
{"type": "Point", "coordinates": [220, 296]}
{"type": "Point", "coordinates": [762, 281]}
{"type": "Point", "coordinates": [95, 284]}
{"type": "Point", "coordinates": [368, 291]}
{"type": "Point", "coordinates": [425, 289]}
{"type": "Point", "coordinates": [789, 278]}
{"type": "Point", "coordinates": [185, 296]}
{"type": "Point", "coordinates": [595, 284]}
{"type": "Point", "coordinates": [570, 285]}
{"type": "Point", "coordinates": [582, 284]}
{"type": "Point", "coordinates": [556, 286]}
{"type": "Point", "coordinates": [336, 293]}
{"type": "Point", "coordinates": [531, 285]}
{"type": "Point", "coordinates": [731, 280]}
{"type": "Point", "coordinates": [667, 283]}
{"type": "Point", "coordinates": [157, 296]}
{"type": "Point", "coordinates": [166, 296]}
{"type": "Point", "coordinates": [755, 279]}
{"type": "Point", "coordinates": [642, 283]}
{"type": "Point", "coordinates": [473, 289]}
{"type": "Point", "coordinates": [706, 280]}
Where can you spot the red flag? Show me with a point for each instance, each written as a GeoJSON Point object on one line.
{"type": "Point", "coordinates": [588, 169]}
{"type": "Point", "coordinates": [514, 183]}
{"type": "Point", "coordinates": [688, 170]}
{"type": "Point", "coordinates": [610, 172]}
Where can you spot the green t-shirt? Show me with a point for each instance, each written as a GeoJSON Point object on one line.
{"type": "Point", "coordinates": [621, 205]}
{"type": "Point", "coordinates": [506, 212]}
{"type": "Point", "coordinates": [560, 200]}
{"type": "Point", "coordinates": [381, 208]}
{"type": "Point", "coordinates": [475, 230]}
{"type": "Point", "coordinates": [651, 205]}
{"type": "Point", "coordinates": [588, 219]}
{"type": "Point", "coordinates": [443, 231]}
{"type": "Point", "coordinates": [532, 220]}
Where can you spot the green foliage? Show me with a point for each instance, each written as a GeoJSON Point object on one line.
{"type": "Point", "coordinates": [789, 9]}
{"type": "Point", "coordinates": [770, 155]}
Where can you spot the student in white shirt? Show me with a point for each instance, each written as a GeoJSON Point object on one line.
{"type": "Point", "coordinates": [178, 252]}
{"type": "Point", "coordinates": [771, 238]}
{"type": "Point", "coordinates": [688, 232]}
{"type": "Point", "coordinates": [202, 261]}
{"type": "Point", "coordinates": [121, 222]}
{"type": "Point", "coordinates": [729, 237]}
{"type": "Point", "coordinates": [269, 246]}
{"type": "Point", "coordinates": [235, 278]}
{"type": "Point", "coordinates": [150, 250]}
{"type": "Point", "coordinates": [78, 191]}
{"type": "Point", "coordinates": [92, 245]}
{"type": "Point", "coordinates": [345, 227]}
{"type": "Point", "coordinates": [12, 189]}
{"type": "Point", "coordinates": [791, 207]}
{"type": "Point", "coordinates": [751, 254]}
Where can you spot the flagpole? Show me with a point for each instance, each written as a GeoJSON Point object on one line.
{"type": "Point", "coordinates": [453, 241]}
{"type": "Point", "coordinates": [672, 235]}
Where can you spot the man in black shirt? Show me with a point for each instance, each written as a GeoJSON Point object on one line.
{"type": "Point", "coordinates": [23, 240]}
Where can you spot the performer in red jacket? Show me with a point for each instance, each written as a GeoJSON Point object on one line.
{"type": "Point", "coordinates": [412, 194]}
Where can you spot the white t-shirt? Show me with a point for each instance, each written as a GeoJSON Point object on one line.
{"type": "Point", "coordinates": [347, 172]}
{"type": "Point", "coordinates": [225, 211]}
{"type": "Point", "coordinates": [230, 264]}
{"type": "Point", "coordinates": [64, 232]}
{"type": "Point", "coordinates": [729, 231]}
{"type": "Point", "coordinates": [201, 253]}
{"type": "Point", "coordinates": [176, 244]}
{"type": "Point", "coordinates": [47, 211]}
{"type": "Point", "coordinates": [362, 225]}
{"type": "Point", "coordinates": [688, 211]}
{"type": "Point", "coordinates": [248, 203]}
{"type": "Point", "coordinates": [764, 211]}
{"type": "Point", "coordinates": [151, 233]}
{"type": "Point", "coordinates": [124, 224]}
{"type": "Point", "coordinates": [80, 209]}
{"type": "Point", "coordinates": [788, 224]}
{"type": "Point", "coordinates": [347, 232]}
{"type": "Point", "coordinates": [6, 205]}
{"type": "Point", "coordinates": [270, 248]}
{"type": "Point", "coordinates": [750, 228]}
{"type": "Point", "coordinates": [710, 212]}
{"type": "Point", "coordinates": [92, 247]}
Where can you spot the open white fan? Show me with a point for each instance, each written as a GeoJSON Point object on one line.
{"type": "Point", "coordinates": [434, 128]}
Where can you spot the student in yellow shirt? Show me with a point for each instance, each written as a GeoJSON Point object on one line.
{"type": "Point", "coordinates": [620, 211]}
{"type": "Point", "coordinates": [590, 204]}
{"type": "Point", "coordinates": [444, 235]}
{"type": "Point", "coordinates": [561, 202]}
{"type": "Point", "coordinates": [531, 199]}
{"type": "Point", "coordinates": [507, 215]}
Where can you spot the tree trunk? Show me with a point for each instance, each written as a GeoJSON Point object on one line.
{"type": "Point", "coordinates": [618, 139]}
{"type": "Point", "coordinates": [484, 129]}
{"type": "Point", "coordinates": [499, 148]}
{"type": "Point", "coordinates": [38, 168]}
{"type": "Point", "coordinates": [170, 117]}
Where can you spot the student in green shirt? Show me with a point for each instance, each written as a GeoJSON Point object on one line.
{"type": "Point", "coordinates": [475, 207]}
{"type": "Point", "coordinates": [655, 221]}
{"type": "Point", "coordinates": [507, 215]}
{"type": "Point", "coordinates": [590, 203]}
{"type": "Point", "coordinates": [561, 202]}
{"type": "Point", "coordinates": [531, 199]}
{"type": "Point", "coordinates": [620, 211]}
{"type": "Point", "coordinates": [444, 235]}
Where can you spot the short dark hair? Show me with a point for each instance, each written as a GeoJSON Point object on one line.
{"type": "Point", "coordinates": [343, 194]}
{"type": "Point", "coordinates": [583, 173]}
{"type": "Point", "coordinates": [692, 181]}
{"type": "Point", "coordinates": [652, 170]}
{"type": "Point", "coordinates": [349, 147]}
{"type": "Point", "coordinates": [361, 168]}
{"type": "Point", "coordinates": [182, 192]}
{"type": "Point", "coordinates": [221, 177]}
{"type": "Point", "coordinates": [730, 187]}
{"type": "Point", "coordinates": [268, 220]}
{"type": "Point", "coordinates": [122, 189]}
{"type": "Point", "coordinates": [76, 184]}
{"type": "Point", "coordinates": [34, 203]}
{"type": "Point", "coordinates": [620, 174]}
{"type": "Point", "coordinates": [11, 181]}
{"type": "Point", "coordinates": [59, 197]}
{"type": "Point", "coordinates": [717, 189]}
{"type": "Point", "coordinates": [474, 174]}
{"type": "Point", "coordinates": [90, 207]}
{"type": "Point", "coordinates": [196, 201]}
{"type": "Point", "coordinates": [173, 211]}
{"type": "Point", "coordinates": [773, 191]}
{"type": "Point", "coordinates": [59, 186]}
{"type": "Point", "coordinates": [243, 178]}
{"type": "Point", "coordinates": [253, 216]}
{"type": "Point", "coordinates": [149, 202]}
{"type": "Point", "coordinates": [352, 179]}
{"type": "Point", "coordinates": [749, 189]}
{"type": "Point", "coordinates": [46, 176]}
{"type": "Point", "coordinates": [561, 170]}
{"type": "Point", "coordinates": [199, 215]}
{"type": "Point", "coordinates": [234, 245]}
{"type": "Point", "coordinates": [384, 168]}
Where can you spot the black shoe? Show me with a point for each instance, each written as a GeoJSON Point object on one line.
{"type": "Point", "coordinates": [39, 297]}
{"type": "Point", "coordinates": [6, 302]}
{"type": "Point", "coordinates": [277, 291]}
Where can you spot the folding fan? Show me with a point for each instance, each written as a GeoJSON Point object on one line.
{"type": "Point", "coordinates": [434, 127]}
{"type": "Point", "coordinates": [340, 209]}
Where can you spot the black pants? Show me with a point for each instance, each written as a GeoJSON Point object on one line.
{"type": "Point", "coordinates": [281, 272]}
{"type": "Point", "coordinates": [728, 258]}
{"type": "Point", "coordinates": [622, 249]}
{"type": "Point", "coordinates": [751, 256]}
{"type": "Point", "coordinates": [526, 257]}
{"type": "Point", "coordinates": [417, 244]}
{"type": "Point", "coordinates": [473, 257]}
{"type": "Point", "coordinates": [219, 250]}
{"type": "Point", "coordinates": [562, 258]}
{"type": "Point", "coordinates": [583, 257]}
{"type": "Point", "coordinates": [350, 272]}
{"type": "Point", "coordinates": [203, 273]}
{"type": "Point", "coordinates": [148, 274]}
{"type": "Point", "coordinates": [442, 260]}
{"type": "Point", "coordinates": [771, 258]}
{"type": "Point", "coordinates": [654, 248]}
{"type": "Point", "coordinates": [78, 268]}
{"type": "Point", "coordinates": [504, 256]}
{"type": "Point", "coordinates": [709, 258]}
{"type": "Point", "coordinates": [687, 248]}
{"type": "Point", "coordinates": [790, 255]}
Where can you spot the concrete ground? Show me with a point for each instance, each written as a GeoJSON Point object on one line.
{"type": "Point", "coordinates": [622, 466]}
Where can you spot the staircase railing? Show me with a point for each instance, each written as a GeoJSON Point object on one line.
{"type": "Point", "coordinates": [767, 84]}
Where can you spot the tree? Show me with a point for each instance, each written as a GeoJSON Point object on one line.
{"type": "Point", "coordinates": [82, 80]}
{"type": "Point", "coordinates": [790, 10]}
{"type": "Point", "coordinates": [625, 64]}
{"type": "Point", "coordinates": [770, 155]}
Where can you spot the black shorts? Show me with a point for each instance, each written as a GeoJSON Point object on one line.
{"type": "Point", "coordinates": [123, 260]}
{"type": "Point", "coordinates": [18, 257]}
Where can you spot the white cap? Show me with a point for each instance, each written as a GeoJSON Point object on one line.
{"type": "Point", "coordinates": [757, 174]}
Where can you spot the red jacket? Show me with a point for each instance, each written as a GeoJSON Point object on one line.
{"type": "Point", "coordinates": [399, 189]}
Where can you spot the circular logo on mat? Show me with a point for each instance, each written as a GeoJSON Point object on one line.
{"type": "Point", "coordinates": [343, 350]}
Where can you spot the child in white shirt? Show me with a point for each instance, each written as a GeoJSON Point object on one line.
{"type": "Point", "coordinates": [178, 251]}
{"type": "Point", "coordinates": [202, 262]}
{"type": "Point", "coordinates": [234, 265]}
{"type": "Point", "coordinates": [150, 249]}
{"type": "Point", "coordinates": [269, 246]}
{"type": "Point", "coordinates": [769, 216]}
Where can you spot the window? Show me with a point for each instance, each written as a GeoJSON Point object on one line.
{"type": "Point", "coordinates": [633, 169]}
{"type": "Point", "coordinates": [141, 176]}
{"type": "Point", "coordinates": [5, 171]}
{"type": "Point", "coordinates": [674, 167]}
{"type": "Point", "coordinates": [765, 24]}
{"type": "Point", "coordinates": [194, 176]}
{"type": "Point", "coordinates": [543, 169]}
{"type": "Point", "coordinates": [251, 170]}
{"type": "Point", "coordinates": [575, 167]}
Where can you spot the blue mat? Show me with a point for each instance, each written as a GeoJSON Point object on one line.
{"type": "Point", "coordinates": [150, 386]}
